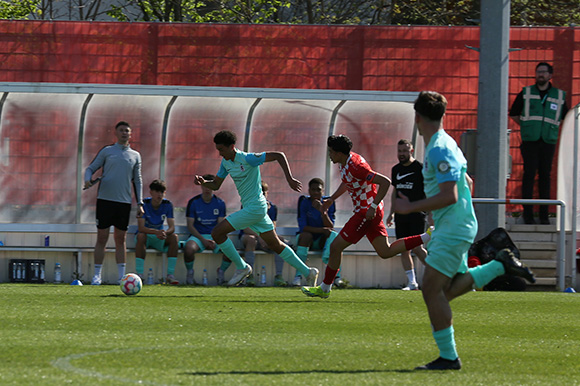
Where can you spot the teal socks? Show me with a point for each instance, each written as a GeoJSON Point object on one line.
{"type": "Point", "coordinates": [483, 274]}
{"type": "Point", "coordinates": [225, 265]}
{"type": "Point", "coordinates": [171, 261]}
{"type": "Point", "coordinates": [291, 258]}
{"type": "Point", "coordinates": [445, 340]}
{"type": "Point", "coordinates": [230, 251]}
{"type": "Point", "coordinates": [139, 265]}
{"type": "Point", "coordinates": [189, 265]}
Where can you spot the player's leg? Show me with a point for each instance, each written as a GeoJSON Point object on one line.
{"type": "Point", "coordinates": [304, 242]}
{"type": "Point", "coordinates": [120, 237]}
{"type": "Point", "coordinates": [409, 267]}
{"type": "Point", "coordinates": [171, 245]}
{"type": "Point", "coordinates": [275, 244]}
{"type": "Point", "coordinates": [440, 315]}
{"type": "Point", "coordinates": [250, 243]}
{"type": "Point", "coordinates": [121, 215]}
{"type": "Point", "coordinates": [140, 253]}
{"type": "Point", "coordinates": [220, 236]}
{"type": "Point", "coordinates": [192, 246]}
{"type": "Point", "coordinates": [101, 243]}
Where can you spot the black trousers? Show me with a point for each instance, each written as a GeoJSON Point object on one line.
{"type": "Point", "coordinates": [537, 156]}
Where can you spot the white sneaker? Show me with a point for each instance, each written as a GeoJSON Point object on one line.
{"type": "Point", "coordinates": [411, 287]}
{"type": "Point", "coordinates": [96, 280]}
{"type": "Point", "coordinates": [297, 282]}
{"type": "Point", "coordinates": [240, 275]}
{"type": "Point", "coordinates": [172, 280]}
{"type": "Point", "coordinates": [312, 277]}
{"type": "Point", "coordinates": [189, 277]}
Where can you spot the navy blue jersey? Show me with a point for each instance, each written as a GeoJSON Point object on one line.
{"type": "Point", "coordinates": [205, 214]}
{"type": "Point", "coordinates": [310, 216]}
{"type": "Point", "coordinates": [154, 218]}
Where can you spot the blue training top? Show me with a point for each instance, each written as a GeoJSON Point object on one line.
{"type": "Point", "coordinates": [205, 214]}
{"type": "Point", "coordinates": [308, 215]}
{"type": "Point", "coordinates": [155, 218]}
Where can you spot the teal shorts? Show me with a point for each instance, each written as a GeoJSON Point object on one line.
{"type": "Point", "coordinates": [317, 244]}
{"type": "Point", "coordinates": [448, 256]}
{"type": "Point", "coordinates": [155, 243]}
{"type": "Point", "coordinates": [200, 244]}
{"type": "Point", "coordinates": [254, 218]}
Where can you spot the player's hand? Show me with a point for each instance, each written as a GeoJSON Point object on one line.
{"type": "Point", "coordinates": [140, 211]}
{"type": "Point", "coordinates": [209, 244]}
{"type": "Point", "coordinates": [371, 212]}
{"type": "Point", "coordinates": [326, 232]}
{"type": "Point", "coordinates": [402, 204]}
{"type": "Point", "coordinates": [198, 180]}
{"type": "Point", "coordinates": [161, 235]}
{"type": "Point", "coordinates": [390, 219]}
{"type": "Point", "coordinates": [295, 184]}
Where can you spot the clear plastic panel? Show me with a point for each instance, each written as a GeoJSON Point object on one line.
{"type": "Point", "coordinates": [193, 123]}
{"type": "Point", "coordinates": [374, 128]}
{"type": "Point", "coordinates": [145, 115]}
{"type": "Point", "coordinates": [39, 143]}
{"type": "Point", "coordinates": [299, 128]}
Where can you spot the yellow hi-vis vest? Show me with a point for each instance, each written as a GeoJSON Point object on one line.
{"type": "Point", "coordinates": [541, 117]}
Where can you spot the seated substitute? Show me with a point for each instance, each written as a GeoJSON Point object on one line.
{"type": "Point", "coordinates": [203, 213]}
{"type": "Point", "coordinates": [252, 241]}
{"type": "Point", "coordinates": [151, 232]}
{"type": "Point", "coordinates": [315, 227]}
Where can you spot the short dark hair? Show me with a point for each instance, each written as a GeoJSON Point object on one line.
{"type": "Point", "coordinates": [315, 180]}
{"type": "Point", "coordinates": [121, 123]}
{"type": "Point", "coordinates": [405, 142]}
{"type": "Point", "coordinates": [550, 68]}
{"type": "Point", "coordinates": [158, 186]}
{"type": "Point", "coordinates": [225, 137]}
{"type": "Point", "coordinates": [264, 186]}
{"type": "Point", "coordinates": [340, 143]}
{"type": "Point", "coordinates": [431, 105]}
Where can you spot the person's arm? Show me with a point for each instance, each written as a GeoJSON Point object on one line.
{"type": "Point", "coordinates": [170, 226]}
{"type": "Point", "coordinates": [283, 162]}
{"type": "Point", "coordinates": [447, 195]}
{"type": "Point", "coordinates": [209, 244]}
{"type": "Point", "coordinates": [213, 185]}
{"type": "Point", "coordinates": [391, 215]}
{"type": "Point", "coordinates": [95, 165]}
{"type": "Point", "coordinates": [160, 233]}
{"type": "Point", "coordinates": [384, 183]}
{"type": "Point", "coordinates": [517, 107]}
{"type": "Point", "coordinates": [330, 200]}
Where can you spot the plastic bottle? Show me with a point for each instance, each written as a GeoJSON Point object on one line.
{"type": "Point", "coordinates": [263, 275]}
{"type": "Point", "coordinates": [204, 279]}
{"type": "Point", "coordinates": [57, 275]}
{"type": "Point", "coordinates": [150, 278]}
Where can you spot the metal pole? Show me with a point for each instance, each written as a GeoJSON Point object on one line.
{"type": "Point", "coordinates": [562, 232]}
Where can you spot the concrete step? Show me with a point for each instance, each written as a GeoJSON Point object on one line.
{"type": "Point", "coordinates": [530, 254]}
{"type": "Point", "coordinates": [535, 264]}
{"type": "Point", "coordinates": [535, 246]}
{"type": "Point", "coordinates": [534, 236]}
{"type": "Point", "coordinates": [544, 272]}
{"type": "Point", "coordinates": [535, 228]}
{"type": "Point", "coordinates": [544, 281]}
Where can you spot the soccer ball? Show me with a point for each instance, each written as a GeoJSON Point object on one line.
{"type": "Point", "coordinates": [131, 284]}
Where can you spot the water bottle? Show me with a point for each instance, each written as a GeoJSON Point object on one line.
{"type": "Point", "coordinates": [150, 278]}
{"type": "Point", "coordinates": [42, 272]}
{"type": "Point", "coordinates": [263, 275]}
{"type": "Point", "coordinates": [204, 279]}
{"type": "Point", "coordinates": [57, 276]}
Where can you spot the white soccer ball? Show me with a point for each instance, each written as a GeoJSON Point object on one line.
{"type": "Point", "coordinates": [131, 284]}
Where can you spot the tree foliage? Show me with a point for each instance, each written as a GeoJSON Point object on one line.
{"type": "Point", "coordinates": [365, 12]}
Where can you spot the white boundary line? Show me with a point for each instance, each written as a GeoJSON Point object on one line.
{"type": "Point", "coordinates": [64, 363]}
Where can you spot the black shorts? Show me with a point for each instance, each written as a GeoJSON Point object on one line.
{"type": "Point", "coordinates": [113, 213]}
{"type": "Point", "coordinates": [409, 224]}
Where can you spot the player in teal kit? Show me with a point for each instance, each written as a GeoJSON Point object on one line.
{"type": "Point", "coordinates": [244, 169]}
{"type": "Point", "coordinates": [448, 191]}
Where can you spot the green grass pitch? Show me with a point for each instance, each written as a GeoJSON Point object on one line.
{"type": "Point", "coordinates": [62, 334]}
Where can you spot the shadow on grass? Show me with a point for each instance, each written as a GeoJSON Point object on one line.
{"type": "Point", "coordinates": [249, 300]}
{"type": "Point", "coordinates": [370, 371]}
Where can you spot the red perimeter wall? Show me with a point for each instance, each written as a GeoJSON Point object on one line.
{"type": "Point", "coordinates": [391, 58]}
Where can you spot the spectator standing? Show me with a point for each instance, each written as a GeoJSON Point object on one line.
{"type": "Point", "coordinates": [538, 109]}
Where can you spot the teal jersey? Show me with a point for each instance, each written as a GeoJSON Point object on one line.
{"type": "Point", "coordinates": [445, 162]}
{"type": "Point", "coordinates": [245, 171]}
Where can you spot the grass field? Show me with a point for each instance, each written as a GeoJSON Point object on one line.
{"type": "Point", "coordinates": [62, 334]}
